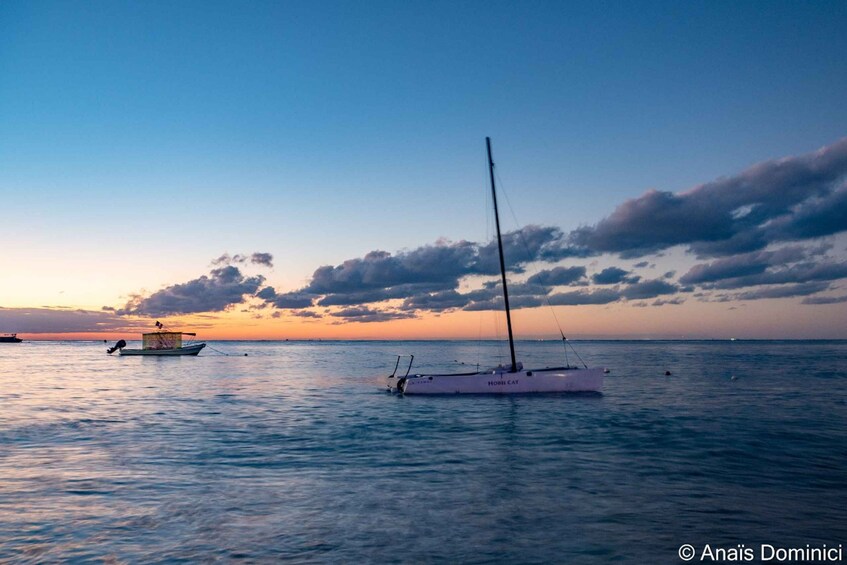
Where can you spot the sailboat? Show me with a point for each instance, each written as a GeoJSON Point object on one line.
{"type": "Point", "coordinates": [502, 379]}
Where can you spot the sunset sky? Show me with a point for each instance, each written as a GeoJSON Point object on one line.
{"type": "Point", "coordinates": [317, 169]}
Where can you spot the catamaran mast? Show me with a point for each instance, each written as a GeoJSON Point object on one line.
{"type": "Point", "coordinates": [502, 261]}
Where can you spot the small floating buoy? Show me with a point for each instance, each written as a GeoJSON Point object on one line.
{"type": "Point", "coordinates": [606, 371]}
{"type": "Point", "coordinates": [245, 355]}
{"type": "Point", "coordinates": [667, 373]}
{"type": "Point", "coordinates": [733, 378]}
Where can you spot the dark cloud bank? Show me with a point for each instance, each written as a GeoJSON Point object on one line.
{"type": "Point", "coordinates": [225, 286]}
{"type": "Point", "coordinates": [63, 320]}
{"type": "Point", "coordinates": [791, 199]}
{"type": "Point", "coordinates": [760, 234]}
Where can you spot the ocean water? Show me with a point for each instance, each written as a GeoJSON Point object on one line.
{"type": "Point", "coordinates": [294, 453]}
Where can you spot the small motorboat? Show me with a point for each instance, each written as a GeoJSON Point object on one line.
{"type": "Point", "coordinates": [162, 343]}
{"type": "Point", "coordinates": [10, 338]}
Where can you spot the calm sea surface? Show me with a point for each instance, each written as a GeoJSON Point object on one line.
{"type": "Point", "coordinates": [293, 452]}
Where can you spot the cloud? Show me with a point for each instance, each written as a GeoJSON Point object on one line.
{"type": "Point", "coordinates": [559, 276]}
{"type": "Point", "coordinates": [422, 274]}
{"type": "Point", "coordinates": [268, 293]}
{"type": "Point", "coordinates": [64, 320]}
{"type": "Point", "coordinates": [490, 297]}
{"type": "Point", "coordinates": [293, 300]}
{"type": "Point", "coordinates": [227, 259]}
{"type": "Point", "coordinates": [817, 217]}
{"type": "Point", "coordinates": [782, 273]}
{"type": "Point", "coordinates": [654, 221]}
{"type": "Point", "coordinates": [794, 198]}
{"type": "Point", "coordinates": [497, 303]}
{"type": "Point", "coordinates": [441, 265]}
{"type": "Point", "coordinates": [379, 294]}
{"type": "Point", "coordinates": [286, 300]}
{"type": "Point", "coordinates": [439, 301]}
{"type": "Point", "coordinates": [365, 314]}
{"type": "Point", "coordinates": [305, 314]}
{"type": "Point", "coordinates": [519, 289]}
{"type": "Point", "coordinates": [649, 289]}
{"type": "Point", "coordinates": [724, 269]}
{"type": "Point", "coordinates": [738, 222]}
{"type": "Point", "coordinates": [222, 288]}
{"type": "Point", "coordinates": [613, 275]}
{"type": "Point", "coordinates": [582, 297]}
{"type": "Point", "coordinates": [787, 291]}
{"type": "Point", "coordinates": [825, 299]}
{"type": "Point", "coordinates": [635, 291]}
{"type": "Point", "coordinates": [530, 243]}
{"type": "Point", "coordinates": [748, 264]}
{"type": "Point", "coordinates": [802, 272]}
{"type": "Point", "coordinates": [265, 259]}
{"type": "Point", "coordinates": [671, 301]}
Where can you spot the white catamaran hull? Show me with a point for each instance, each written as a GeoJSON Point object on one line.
{"type": "Point", "coordinates": [513, 379]}
{"type": "Point", "coordinates": [571, 379]}
{"type": "Point", "coordinates": [187, 350]}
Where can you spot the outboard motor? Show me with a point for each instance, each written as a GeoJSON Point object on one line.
{"type": "Point", "coordinates": [119, 345]}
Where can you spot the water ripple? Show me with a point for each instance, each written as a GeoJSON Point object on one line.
{"type": "Point", "coordinates": [292, 453]}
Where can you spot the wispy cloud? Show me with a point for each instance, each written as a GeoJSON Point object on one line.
{"type": "Point", "coordinates": [265, 259]}
{"type": "Point", "coordinates": [365, 314]}
{"type": "Point", "coordinates": [825, 299]}
{"type": "Point", "coordinates": [305, 314]}
{"type": "Point", "coordinates": [668, 301]}
{"type": "Point", "coordinates": [786, 291]}
{"type": "Point", "coordinates": [584, 297]}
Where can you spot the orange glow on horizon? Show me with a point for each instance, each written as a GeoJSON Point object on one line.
{"type": "Point", "coordinates": [692, 320]}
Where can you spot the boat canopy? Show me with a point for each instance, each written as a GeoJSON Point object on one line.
{"type": "Point", "coordinates": [163, 340]}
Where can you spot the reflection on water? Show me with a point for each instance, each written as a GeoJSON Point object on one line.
{"type": "Point", "coordinates": [294, 452]}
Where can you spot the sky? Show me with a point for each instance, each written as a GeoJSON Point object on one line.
{"type": "Point", "coordinates": [304, 170]}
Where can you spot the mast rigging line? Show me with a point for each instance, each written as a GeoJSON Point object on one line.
{"type": "Point", "coordinates": [530, 259]}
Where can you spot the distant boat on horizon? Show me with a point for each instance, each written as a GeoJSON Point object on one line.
{"type": "Point", "coordinates": [502, 379]}
{"type": "Point", "coordinates": [10, 338]}
{"type": "Point", "coordinates": [161, 343]}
